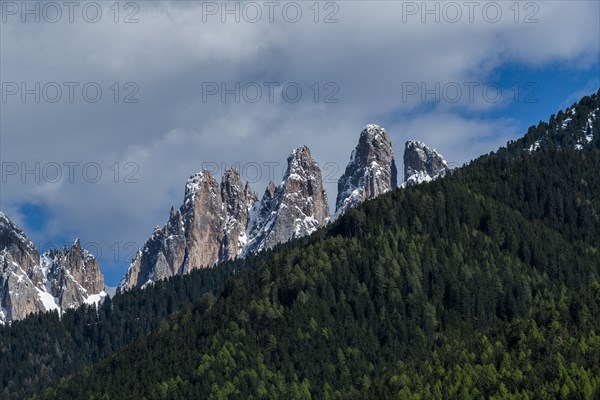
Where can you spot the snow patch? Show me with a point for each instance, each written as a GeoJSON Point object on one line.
{"type": "Point", "coordinates": [96, 299]}
{"type": "Point", "coordinates": [50, 303]}
{"type": "Point", "coordinates": [534, 147]}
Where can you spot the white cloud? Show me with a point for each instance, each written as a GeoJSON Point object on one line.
{"type": "Point", "coordinates": [171, 132]}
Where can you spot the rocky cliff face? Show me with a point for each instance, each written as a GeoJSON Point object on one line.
{"type": "Point", "coordinates": [238, 203]}
{"type": "Point", "coordinates": [294, 208]}
{"type": "Point", "coordinates": [219, 222]}
{"type": "Point", "coordinates": [421, 164]}
{"type": "Point", "coordinates": [20, 273]}
{"type": "Point", "coordinates": [72, 275]}
{"type": "Point", "coordinates": [204, 214]}
{"type": "Point", "coordinates": [208, 228]}
{"type": "Point", "coordinates": [222, 221]}
{"type": "Point", "coordinates": [56, 280]}
{"type": "Point", "coordinates": [370, 172]}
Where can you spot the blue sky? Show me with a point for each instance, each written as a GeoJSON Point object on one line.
{"type": "Point", "coordinates": [145, 149]}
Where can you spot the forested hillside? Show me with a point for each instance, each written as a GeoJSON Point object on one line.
{"type": "Point", "coordinates": [576, 127]}
{"type": "Point", "coordinates": [38, 350]}
{"type": "Point", "coordinates": [483, 284]}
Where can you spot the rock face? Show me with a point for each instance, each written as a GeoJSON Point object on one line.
{"type": "Point", "coordinates": [222, 221]}
{"type": "Point", "coordinates": [421, 164]}
{"type": "Point", "coordinates": [370, 172]}
{"type": "Point", "coordinates": [208, 228]}
{"type": "Point", "coordinates": [294, 208]}
{"type": "Point", "coordinates": [55, 281]}
{"type": "Point", "coordinates": [72, 275]}
{"type": "Point", "coordinates": [219, 222]}
{"type": "Point", "coordinates": [238, 205]}
{"type": "Point", "coordinates": [21, 274]}
{"type": "Point", "coordinates": [161, 256]}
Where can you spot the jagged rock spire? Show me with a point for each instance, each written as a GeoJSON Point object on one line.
{"type": "Point", "coordinates": [421, 164]}
{"type": "Point", "coordinates": [370, 172]}
{"type": "Point", "coordinates": [214, 223]}
{"type": "Point", "coordinates": [209, 227]}
{"type": "Point", "coordinates": [56, 280]}
{"type": "Point", "coordinates": [294, 208]}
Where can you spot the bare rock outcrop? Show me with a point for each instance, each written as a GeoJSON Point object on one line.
{"type": "Point", "coordinates": [370, 172]}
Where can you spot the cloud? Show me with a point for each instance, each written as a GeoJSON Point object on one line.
{"type": "Point", "coordinates": [459, 139]}
{"type": "Point", "coordinates": [363, 61]}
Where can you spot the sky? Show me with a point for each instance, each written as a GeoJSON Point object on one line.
{"type": "Point", "coordinates": [107, 108]}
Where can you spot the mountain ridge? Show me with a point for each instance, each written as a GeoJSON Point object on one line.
{"type": "Point", "coordinates": [30, 282]}
{"type": "Point", "coordinates": [463, 291]}
{"type": "Point", "coordinates": [370, 172]}
{"type": "Point", "coordinates": [500, 227]}
{"type": "Point", "coordinates": [219, 222]}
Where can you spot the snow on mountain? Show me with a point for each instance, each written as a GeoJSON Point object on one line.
{"type": "Point", "coordinates": [370, 172]}
{"type": "Point", "coordinates": [294, 208]}
{"type": "Point", "coordinates": [72, 275]}
{"type": "Point", "coordinates": [421, 164]}
{"type": "Point", "coordinates": [573, 128]}
{"type": "Point", "coordinates": [56, 280]}
{"type": "Point", "coordinates": [219, 222]}
{"type": "Point", "coordinates": [208, 228]}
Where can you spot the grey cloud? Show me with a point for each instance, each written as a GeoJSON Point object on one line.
{"type": "Point", "coordinates": [171, 132]}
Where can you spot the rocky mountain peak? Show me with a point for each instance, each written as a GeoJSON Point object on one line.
{"type": "Point", "coordinates": [199, 185]}
{"type": "Point", "coordinates": [248, 191]}
{"type": "Point", "coordinates": [294, 208]}
{"type": "Point", "coordinates": [209, 227]}
{"type": "Point", "coordinates": [56, 280]}
{"type": "Point", "coordinates": [422, 164]}
{"type": "Point", "coordinates": [222, 221]}
{"type": "Point", "coordinates": [299, 162]}
{"type": "Point", "coordinates": [270, 190]}
{"type": "Point", "coordinates": [233, 192]}
{"type": "Point", "coordinates": [238, 201]}
{"type": "Point", "coordinates": [72, 275]}
{"type": "Point", "coordinates": [20, 273]}
{"type": "Point", "coordinates": [21, 250]}
{"type": "Point", "coordinates": [370, 172]}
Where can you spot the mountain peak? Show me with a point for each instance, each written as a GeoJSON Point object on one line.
{"type": "Point", "coordinates": [300, 151]}
{"type": "Point", "coordinates": [299, 162]}
{"type": "Point", "coordinates": [208, 228]}
{"type": "Point", "coordinates": [270, 190]}
{"type": "Point", "coordinates": [58, 279]}
{"type": "Point", "coordinates": [231, 174]}
{"type": "Point", "coordinates": [193, 183]}
{"type": "Point", "coordinates": [73, 275]}
{"type": "Point", "coordinates": [372, 129]}
{"type": "Point", "coordinates": [222, 222]}
{"type": "Point", "coordinates": [296, 207]}
{"type": "Point", "coordinates": [371, 170]}
{"type": "Point", "coordinates": [422, 164]}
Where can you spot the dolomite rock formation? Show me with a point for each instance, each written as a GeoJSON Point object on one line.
{"type": "Point", "coordinates": [370, 172]}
